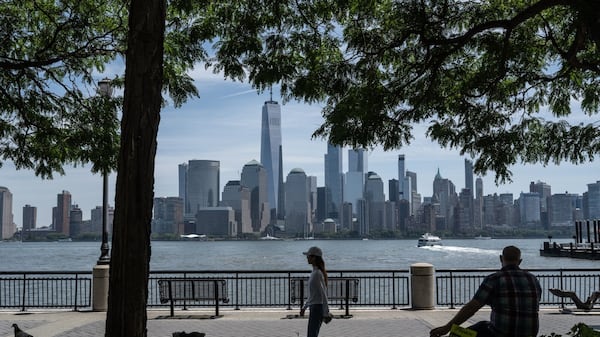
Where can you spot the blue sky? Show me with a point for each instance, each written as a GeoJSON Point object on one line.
{"type": "Point", "coordinates": [224, 125]}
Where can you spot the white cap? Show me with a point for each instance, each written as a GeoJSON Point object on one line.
{"type": "Point", "coordinates": [316, 251]}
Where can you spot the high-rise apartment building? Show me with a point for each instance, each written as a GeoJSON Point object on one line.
{"type": "Point", "coordinates": [334, 179]}
{"type": "Point", "coordinates": [593, 201]}
{"type": "Point", "coordinates": [202, 185]}
{"type": "Point", "coordinates": [76, 225]}
{"type": "Point", "coordinates": [61, 213]}
{"type": "Point", "coordinates": [7, 225]}
{"type": "Point", "coordinates": [271, 154]}
{"type": "Point", "coordinates": [255, 178]}
{"type": "Point", "coordinates": [297, 205]}
{"type": "Point", "coordinates": [29, 217]}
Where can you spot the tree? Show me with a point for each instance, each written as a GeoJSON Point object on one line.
{"type": "Point", "coordinates": [130, 263]}
{"type": "Point", "coordinates": [495, 79]}
{"type": "Point", "coordinates": [50, 115]}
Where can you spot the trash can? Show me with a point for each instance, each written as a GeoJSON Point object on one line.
{"type": "Point", "coordinates": [422, 286]}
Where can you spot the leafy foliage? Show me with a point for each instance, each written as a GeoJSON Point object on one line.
{"type": "Point", "coordinates": [50, 54]}
{"type": "Point", "coordinates": [578, 330]}
{"type": "Point", "coordinates": [494, 79]}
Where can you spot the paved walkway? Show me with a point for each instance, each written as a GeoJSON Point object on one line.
{"type": "Point", "coordinates": [265, 323]}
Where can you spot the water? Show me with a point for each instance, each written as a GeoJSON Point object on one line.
{"type": "Point", "coordinates": [285, 255]}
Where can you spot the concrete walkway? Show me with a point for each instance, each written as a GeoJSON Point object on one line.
{"type": "Point", "coordinates": [270, 323]}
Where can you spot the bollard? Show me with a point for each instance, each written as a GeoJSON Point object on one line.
{"type": "Point", "coordinates": [421, 286]}
{"type": "Point", "coordinates": [100, 287]}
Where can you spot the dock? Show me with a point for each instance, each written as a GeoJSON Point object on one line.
{"type": "Point", "coordinates": [585, 245]}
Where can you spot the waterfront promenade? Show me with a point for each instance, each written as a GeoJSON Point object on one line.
{"type": "Point", "coordinates": [270, 323]}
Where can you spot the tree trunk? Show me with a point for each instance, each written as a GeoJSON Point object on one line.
{"type": "Point", "coordinates": [130, 261]}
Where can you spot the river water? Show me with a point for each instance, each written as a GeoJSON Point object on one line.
{"type": "Point", "coordinates": [286, 255]}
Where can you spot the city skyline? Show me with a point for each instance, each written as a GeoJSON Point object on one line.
{"type": "Point", "coordinates": [224, 125]}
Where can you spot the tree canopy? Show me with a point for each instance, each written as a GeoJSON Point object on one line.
{"type": "Point", "coordinates": [503, 81]}
{"type": "Point", "coordinates": [51, 55]}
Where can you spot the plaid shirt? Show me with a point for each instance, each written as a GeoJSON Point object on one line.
{"type": "Point", "coordinates": [514, 295]}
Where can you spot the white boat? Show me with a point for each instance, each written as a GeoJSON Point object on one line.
{"type": "Point", "coordinates": [479, 237]}
{"type": "Point", "coordinates": [429, 239]}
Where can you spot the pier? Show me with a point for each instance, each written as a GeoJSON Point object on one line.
{"type": "Point", "coordinates": [585, 245]}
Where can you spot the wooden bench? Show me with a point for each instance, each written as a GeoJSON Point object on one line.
{"type": "Point", "coordinates": [193, 289]}
{"type": "Point", "coordinates": [338, 288]}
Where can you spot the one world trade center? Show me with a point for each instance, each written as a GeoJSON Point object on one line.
{"type": "Point", "coordinates": [271, 156]}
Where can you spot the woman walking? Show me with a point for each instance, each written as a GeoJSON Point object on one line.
{"type": "Point", "coordinates": [317, 293]}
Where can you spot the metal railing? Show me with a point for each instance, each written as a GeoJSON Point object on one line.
{"type": "Point", "coordinates": [24, 290]}
{"type": "Point", "coordinates": [271, 289]}
{"type": "Point", "coordinates": [455, 287]}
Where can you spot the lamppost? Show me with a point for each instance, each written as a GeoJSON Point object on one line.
{"type": "Point", "coordinates": [105, 89]}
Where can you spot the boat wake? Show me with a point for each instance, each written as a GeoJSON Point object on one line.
{"type": "Point", "coordinates": [455, 249]}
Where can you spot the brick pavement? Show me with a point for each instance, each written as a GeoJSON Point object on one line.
{"type": "Point", "coordinates": [263, 323]}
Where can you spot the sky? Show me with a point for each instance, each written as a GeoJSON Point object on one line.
{"type": "Point", "coordinates": [224, 124]}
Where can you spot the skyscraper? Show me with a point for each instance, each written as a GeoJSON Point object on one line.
{"type": "Point", "coordinates": [271, 153]}
{"type": "Point", "coordinates": [29, 217]}
{"type": "Point", "coordinates": [404, 183]}
{"type": "Point", "coordinates": [593, 200]}
{"type": "Point", "coordinates": [237, 196]}
{"type": "Point", "coordinates": [354, 179]}
{"type": "Point", "coordinates": [62, 213]}
{"type": "Point", "coordinates": [469, 176]}
{"type": "Point", "coordinates": [202, 185]}
{"type": "Point", "coordinates": [7, 226]}
{"type": "Point", "coordinates": [334, 178]}
{"type": "Point", "coordinates": [375, 202]}
{"type": "Point", "coordinates": [401, 175]}
{"type": "Point", "coordinates": [357, 161]}
{"type": "Point", "coordinates": [297, 204]}
{"type": "Point", "coordinates": [254, 177]}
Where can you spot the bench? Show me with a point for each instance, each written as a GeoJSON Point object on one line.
{"type": "Point", "coordinates": [338, 288]}
{"type": "Point", "coordinates": [193, 289]}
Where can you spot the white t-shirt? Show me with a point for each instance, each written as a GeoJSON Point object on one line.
{"type": "Point", "coordinates": [317, 291]}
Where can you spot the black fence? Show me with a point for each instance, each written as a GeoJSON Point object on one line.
{"type": "Point", "coordinates": [272, 289]}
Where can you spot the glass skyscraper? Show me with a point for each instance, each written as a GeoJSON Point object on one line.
{"type": "Point", "coordinates": [334, 179]}
{"type": "Point", "coordinates": [202, 185]}
{"type": "Point", "coordinates": [271, 154]}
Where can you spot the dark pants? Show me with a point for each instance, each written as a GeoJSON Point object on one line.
{"type": "Point", "coordinates": [483, 329]}
{"type": "Point", "coordinates": [315, 318]}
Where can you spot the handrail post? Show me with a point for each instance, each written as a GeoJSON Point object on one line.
{"type": "Point", "coordinates": [76, 290]}
{"type": "Point", "coordinates": [289, 281]}
{"type": "Point", "coordinates": [237, 291]}
{"type": "Point", "coordinates": [347, 297]}
{"type": "Point", "coordinates": [216, 285]}
{"type": "Point", "coordinates": [23, 292]}
{"type": "Point", "coordinates": [451, 291]}
{"type": "Point", "coordinates": [301, 293]}
{"type": "Point", "coordinates": [171, 298]}
{"type": "Point", "coordinates": [394, 290]}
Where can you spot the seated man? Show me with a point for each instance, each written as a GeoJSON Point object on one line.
{"type": "Point", "coordinates": [514, 296]}
{"type": "Point", "coordinates": [587, 305]}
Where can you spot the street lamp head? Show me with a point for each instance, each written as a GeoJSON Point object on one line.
{"type": "Point", "coordinates": [105, 87]}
